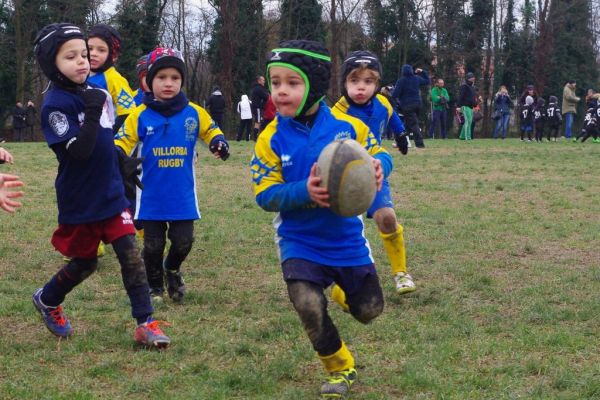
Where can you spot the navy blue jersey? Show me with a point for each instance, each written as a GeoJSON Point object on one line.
{"type": "Point", "coordinates": [86, 190]}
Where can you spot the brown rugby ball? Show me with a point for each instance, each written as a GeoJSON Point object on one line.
{"type": "Point", "coordinates": [346, 170]}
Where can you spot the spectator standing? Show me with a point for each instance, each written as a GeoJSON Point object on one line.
{"type": "Point", "coordinates": [268, 114]}
{"type": "Point", "coordinates": [529, 91]}
{"type": "Point", "coordinates": [502, 106]}
{"type": "Point", "coordinates": [408, 94]}
{"type": "Point", "coordinates": [258, 98]}
{"type": "Point", "coordinates": [30, 118]}
{"type": "Point", "coordinates": [467, 100]}
{"type": "Point", "coordinates": [18, 119]}
{"type": "Point", "coordinates": [216, 106]}
{"type": "Point", "coordinates": [439, 101]}
{"type": "Point", "coordinates": [244, 108]}
{"type": "Point", "coordinates": [569, 106]}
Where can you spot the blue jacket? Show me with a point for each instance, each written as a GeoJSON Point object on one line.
{"type": "Point", "coordinates": [408, 87]}
{"type": "Point", "coordinates": [503, 103]}
{"type": "Point", "coordinates": [283, 156]}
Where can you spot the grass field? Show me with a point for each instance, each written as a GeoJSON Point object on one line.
{"type": "Point", "coordinates": [503, 242]}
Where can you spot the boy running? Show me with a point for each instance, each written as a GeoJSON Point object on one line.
{"type": "Point", "coordinates": [361, 72]}
{"type": "Point", "coordinates": [77, 123]}
{"type": "Point", "coordinates": [316, 247]}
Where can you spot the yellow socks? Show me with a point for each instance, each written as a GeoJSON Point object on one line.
{"type": "Point", "coordinates": [341, 360]}
{"type": "Point", "coordinates": [338, 295]}
{"type": "Point", "coordinates": [393, 243]}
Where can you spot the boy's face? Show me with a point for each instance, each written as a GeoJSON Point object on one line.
{"type": "Point", "coordinates": [166, 84]}
{"type": "Point", "coordinates": [287, 90]}
{"type": "Point", "coordinates": [72, 60]}
{"type": "Point", "coordinates": [98, 52]}
{"type": "Point", "coordinates": [361, 86]}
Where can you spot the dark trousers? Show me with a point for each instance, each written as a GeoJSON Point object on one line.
{"type": "Point", "coordinates": [245, 127]}
{"type": "Point", "coordinates": [133, 275]}
{"type": "Point", "coordinates": [181, 235]}
{"type": "Point", "coordinates": [587, 132]}
{"type": "Point", "coordinates": [19, 134]}
{"type": "Point", "coordinates": [553, 131]}
{"type": "Point", "coordinates": [310, 303]}
{"type": "Point", "coordinates": [442, 117]}
{"type": "Point", "coordinates": [218, 118]}
{"type": "Point", "coordinates": [411, 123]}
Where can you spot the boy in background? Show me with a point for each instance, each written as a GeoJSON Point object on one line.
{"type": "Point", "coordinates": [105, 47]}
{"type": "Point", "coordinates": [527, 119]}
{"type": "Point", "coordinates": [539, 119]}
{"type": "Point", "coordinates": [360, 76]}
{"type": "Point", "coordinates": [168, 126]}
{"type": "Point", "coordinates": [554, 118]}
{"type": "Point", "coordinates": [316, 247]}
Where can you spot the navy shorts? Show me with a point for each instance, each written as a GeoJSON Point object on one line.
{"type": "Point", "coordinates": [350, 279]}
{"type": "Point", "coordinates": [383, 199]}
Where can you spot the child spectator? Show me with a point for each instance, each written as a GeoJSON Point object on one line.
{"type": "Point", "coordinates": [244, 108]}
{"type": "Point", "coordinates": [360, 76]}
{"type": "Point", "coordinates": [216, 106]}
{"type": "Point", "coordinates": [554, 118]}
{"type": "Point", "coordinates": [590, 122]}
{"type": "Point", "coordinates": [77, 123]}
{"type": "Point", "coordinates": [316, 247]}
{"type": "Point", "coordinates": [104, 43]}
{"type": "Point", "coordinates": [141, 69]}
{"type": "Point", "coordinates": [539, 119]}
{"type": "Point", "coordinates": [527, 119]}
{"type": "Point", "coordinates": [168, 126]}
{"type": "Point", "coordinates": [592, 118]}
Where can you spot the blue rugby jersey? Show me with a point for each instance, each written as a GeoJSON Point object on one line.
{"type": "Point", "coordinates": [283, 156]}
{"type": "Point", "coordinates": [138, 97]}
{"type": "Point", "coordinates": [167, 145]}
{"type": "Point", "coordinates": [378, 115]}
{"type": "Point", "coordinates": [86, 190]}
{"type": "Point", "coordinates": [118, 87]}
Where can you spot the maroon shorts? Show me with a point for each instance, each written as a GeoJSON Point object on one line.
{"type": "Point", "coordinates": [82, 240]}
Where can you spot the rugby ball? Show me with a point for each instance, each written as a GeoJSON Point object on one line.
{"type": "Point", "coordinates": [346, 170]}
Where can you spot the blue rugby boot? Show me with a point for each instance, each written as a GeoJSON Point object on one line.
{"type": "Point", "coordinates": [54, 318]}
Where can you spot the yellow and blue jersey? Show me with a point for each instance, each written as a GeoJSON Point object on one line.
{"type": "Point", "coordinates": [118, 87]}
{"type": "Point", "coordinates": [283, 156]}
{"type": "Point", "coordinates": [378, 114]}
{"type": "Point", "coordinates": [167, 144]}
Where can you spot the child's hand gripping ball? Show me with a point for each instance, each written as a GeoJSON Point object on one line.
{"type": "Point", "coordinates": [346, 170]}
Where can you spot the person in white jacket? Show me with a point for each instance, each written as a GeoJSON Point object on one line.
{"type": "Point", "coordinates": [245, 110]}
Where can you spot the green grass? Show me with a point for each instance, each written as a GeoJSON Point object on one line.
{"type": "Point", "coordinates": [502, 241]}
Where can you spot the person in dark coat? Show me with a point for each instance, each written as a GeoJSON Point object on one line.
{"type": "Point", "coordinates": [467, 100]}
{"type": "Point", "coordinates": [216, 106]}
{"type": "Point", "coordinates": [407, 92]}
{"type": "Point", "coordinates": [258, 98]}
{"type": "Point", "coordinates": [30, 118]}
{"type": "Point", "coordinates": [19, 121]}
